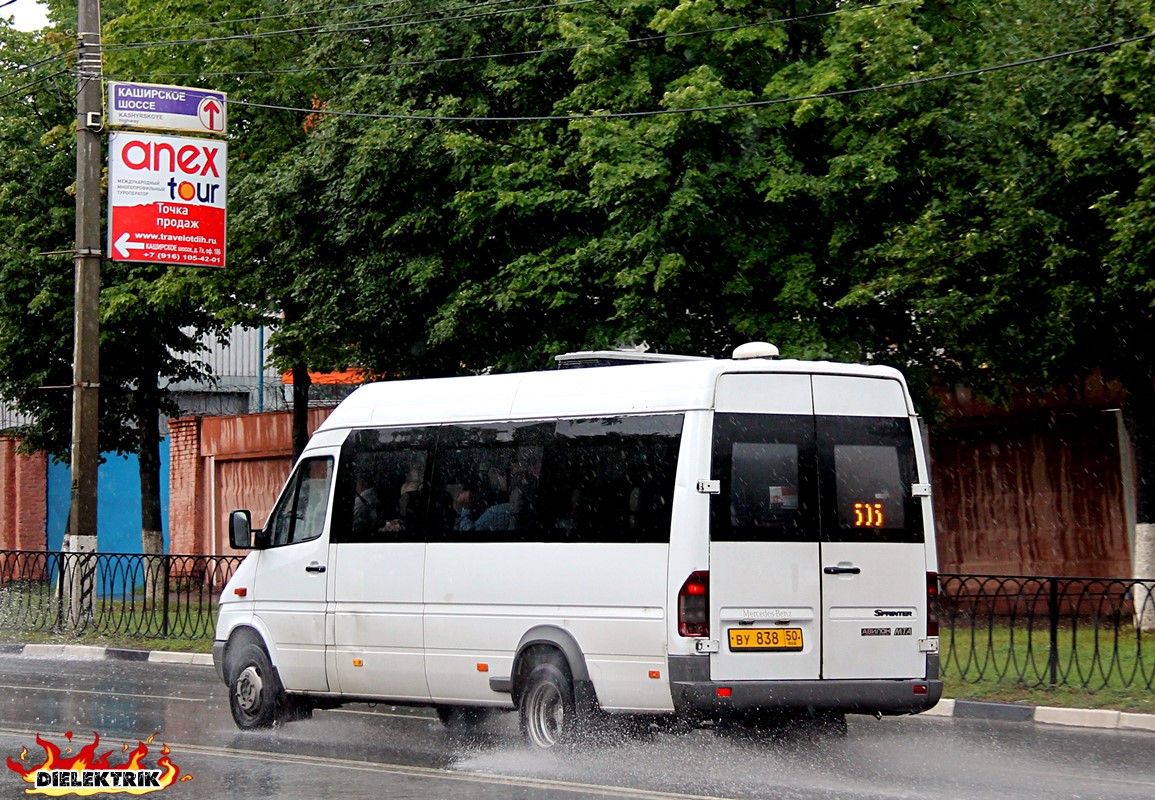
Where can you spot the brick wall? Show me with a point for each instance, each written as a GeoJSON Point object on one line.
{"type": "Point", "coordinates": [1036, 496]}
{"type": "Point", "coordinates": [186, 486]}
{"type": "Point", "coordinates": [221, 463]}
{"type": "Point", "coordinates": [23, 498]}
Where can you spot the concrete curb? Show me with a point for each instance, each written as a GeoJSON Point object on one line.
{"type": "Point", "coordinates": [958, 709]}
{"type": "Point", "coordinates": [79, 652]}
{"type": "Point", "coordinates": [1045, 715]}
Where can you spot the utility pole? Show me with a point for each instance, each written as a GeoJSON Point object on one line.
{"type": "Point", "coordinates": [86, 337]}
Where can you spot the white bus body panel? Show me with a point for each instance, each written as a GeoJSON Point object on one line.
{"type": "Point", "coordinates": [765, 584]}
{"type": "Point", "coordinates": [873, 620]}
{"type": "Point", "coordinates": [782, 584]}
{"type": "Point", "coordinates": [290, 604]}
{"type": "Point", "coordinates": [482, 598]}
{"type": "Point", "coordinates": [378, 632]}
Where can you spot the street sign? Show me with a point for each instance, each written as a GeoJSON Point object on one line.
{"type": "Point", "coordinates": [173, 108]}
{"type": "Point", "coordinates": [166, 199]}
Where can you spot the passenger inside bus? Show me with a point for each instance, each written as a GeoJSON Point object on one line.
{"type": "Point", "coordinates": [409, 499]}
{"type": "Point", "coordinates": [496, 515]}
{"type": "Point", "coordinates": [366, 505]}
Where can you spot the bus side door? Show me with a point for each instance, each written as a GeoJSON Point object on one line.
{"type": "Point", "coordinates": [291, 584]}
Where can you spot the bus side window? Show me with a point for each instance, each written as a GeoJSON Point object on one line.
{"type": "Point", "coordinates": [485, 481]}
{"type": "Point", "coordinates": [605, 479]}
{"type": "Point", "coordinates": [382, 485]}
{"type": "Point", "coordinates": [300, 515]}
{"type": "Point", "coordinates": [611, 479]}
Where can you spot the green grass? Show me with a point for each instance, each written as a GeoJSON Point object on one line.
{"type": "Point", "coordinates": [108, 640]}
{"type": "Point", "coordinates": [1108, 671]}
{"type": "Point", "coordinates": [1137, 701]}
{"type": "Point", "coordinates": [28, 610]}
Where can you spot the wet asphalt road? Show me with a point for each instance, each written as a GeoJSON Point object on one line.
{"type": "Point", "coordinates": [381, 752]}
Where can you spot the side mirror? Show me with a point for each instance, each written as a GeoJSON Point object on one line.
{"type": "Point", "coordinates": [241, 530]}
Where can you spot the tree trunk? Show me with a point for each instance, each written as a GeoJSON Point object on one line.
{"type": "Point", "coordinates": [301, 382]}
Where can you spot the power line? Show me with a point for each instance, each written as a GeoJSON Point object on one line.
{"type": "Point", "coordinates": [361, 26]}
{"type": "Point", "coordinates": [31, 84]}
{"type": "Point", "coordinates": [544, 50]}
{"type": "Point", "coordinates": [50, 59]}
{"type": "Point", "coordinates": [722, 107]}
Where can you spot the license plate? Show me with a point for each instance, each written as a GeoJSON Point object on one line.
{"type": "Point", "coordinates": [781, 639]}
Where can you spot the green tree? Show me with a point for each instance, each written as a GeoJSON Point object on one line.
{"type": "Point", "coordinates": [991, 228]}
{"type": "Point", "coordinates": [262, 54]}
{"type": "Point", "coordinates": [436, 246]}
{"type": "Point", "coordinates": [151, 317]}
{"type": "Point", "coordinates": [1014, 239]}
{"type": "Point", "coordinates": [988, 228]}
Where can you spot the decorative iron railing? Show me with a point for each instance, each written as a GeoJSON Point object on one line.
{"type": "Point", "coordinates": [129, 595]}
{"type": "Point", "coordinates": [1029, 631]}
{"type": "Point", "coordinates": [1083, 633]}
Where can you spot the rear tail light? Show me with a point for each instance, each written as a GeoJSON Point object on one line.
{"type": "Point", "coordinates": [932, 604]}
{"type": "Point", "coordinates": [694, 605]}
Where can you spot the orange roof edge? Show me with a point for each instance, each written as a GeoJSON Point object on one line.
{"type": "Point", "coordinates": [354, 377]}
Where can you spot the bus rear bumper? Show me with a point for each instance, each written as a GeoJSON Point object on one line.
{"type": "Point", "coordinates": [694, 694]}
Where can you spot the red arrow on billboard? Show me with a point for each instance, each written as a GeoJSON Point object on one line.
{"type": "Point", "coordinates": [211, 114]}
{"type": "Point", "coordinates": [213, 109]}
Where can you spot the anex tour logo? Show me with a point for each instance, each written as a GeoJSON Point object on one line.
{"type": "Point", "coordinates": [88, 774]}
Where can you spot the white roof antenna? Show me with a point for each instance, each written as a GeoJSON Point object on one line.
{"type": "Point", "coordinates": [755, 350]}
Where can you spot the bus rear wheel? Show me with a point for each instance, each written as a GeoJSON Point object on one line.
{"type": "Point", "coordinates": [547, 710]}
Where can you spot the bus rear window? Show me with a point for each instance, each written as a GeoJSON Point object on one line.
{"type": "Point", "coordinates": [765, 467]}
{"type": "Point", "coordinates": [764, 485]}
{"type": "Point", "coordinates": [869, 487]}
{"type": "Point", "coordinates": [867, 467]}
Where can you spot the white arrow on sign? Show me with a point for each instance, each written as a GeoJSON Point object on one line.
{"type": "Point", "coordinates": [124, 246]}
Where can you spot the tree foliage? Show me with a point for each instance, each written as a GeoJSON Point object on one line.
{"type": "Point", "coordinates": [151, 318]}
{"type": "Point", "coordinates": [471, 186]}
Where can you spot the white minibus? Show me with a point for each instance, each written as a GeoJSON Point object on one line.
{"type": "Point", "coordinates": [692, 539]}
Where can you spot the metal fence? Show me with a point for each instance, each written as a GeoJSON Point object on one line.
{"type": "Point", "coordinates": [139, 596]}
{"type": "Point", "coordinates": [1083, 633]}
{"type": "Point", "coordinates": [1028, 631]}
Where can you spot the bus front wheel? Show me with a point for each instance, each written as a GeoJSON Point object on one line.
{"type": "Point", "coordinates": [255, 694]}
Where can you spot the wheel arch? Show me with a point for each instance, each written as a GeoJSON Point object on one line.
{"type": "Point", "coordinates": [239, 636]}
{"type": "Point", "coordinates": [551, 637]}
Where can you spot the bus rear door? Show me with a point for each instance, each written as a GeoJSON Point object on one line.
{"type": "Point", "coordinates": [874, 562]}
{"type": "Point", "coordinates": [765, 570]}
